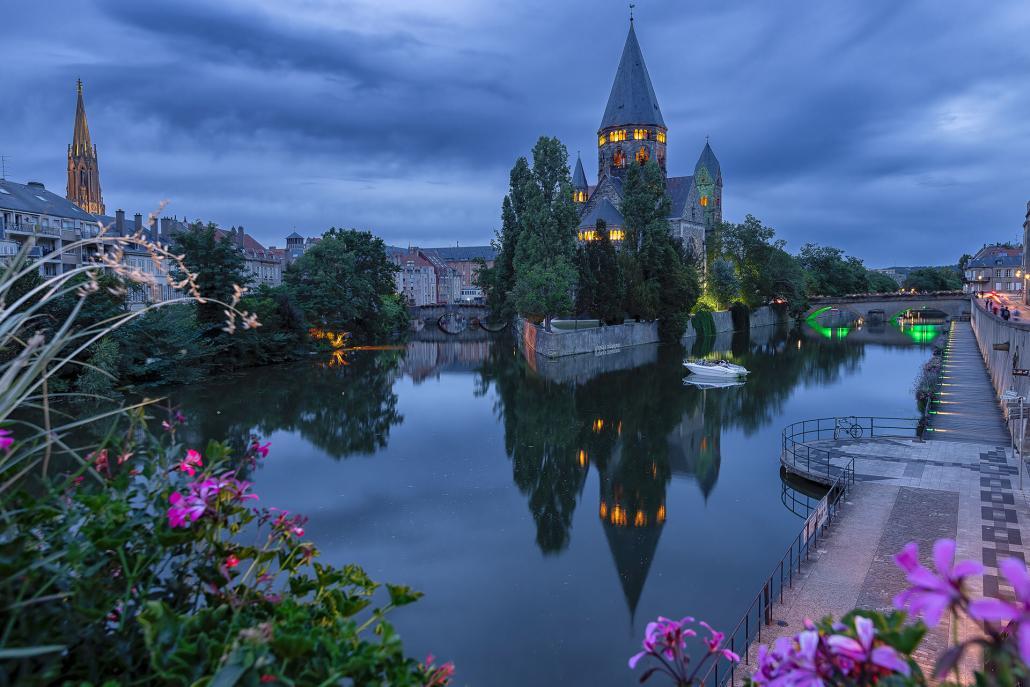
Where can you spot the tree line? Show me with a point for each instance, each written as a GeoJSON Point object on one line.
{"type": "Point", "coordinates": [542, 271]}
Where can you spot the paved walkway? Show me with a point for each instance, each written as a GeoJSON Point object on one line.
{"type": "Point", "coordinates": [907, 490]}
{"type": "Point", "coordinates": [964, 484]}
{"type": "Point", "coordinates": [966, 407]}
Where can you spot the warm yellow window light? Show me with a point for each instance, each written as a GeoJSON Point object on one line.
{"type": "Point", "coordinates": [588, 235]}
{"type": "Point", "coordinates": [639, 134]}
{"type": "Point", "coordinates": [661, 137]}
{"type": "Point", "coordinates": [579, 196]}
{"type": "Point", "coordinates": [639, 520]}
{"type": "Point", "coordinates": [582, 458]}
{"type": "Point", "coordinates": [642, 155]}
{"type": "Point", "coordinates": [604, 509]}
{"type": "Point", "coordinates": [661, 514]}
{"type": "Point", "coordinates": [602, 139]}
{"type": "Point", "coordinates": [617, 235]}
{"type": "Point", "coordinates": [704, 201]}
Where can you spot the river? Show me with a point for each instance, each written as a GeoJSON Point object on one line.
{"type": "Point", "coordinates": [549, 510]}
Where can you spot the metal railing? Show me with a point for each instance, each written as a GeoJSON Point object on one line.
{"type": "Point", "coordinates": [759, 613]}
{"type": "Point", "coordinates": [814, 461]}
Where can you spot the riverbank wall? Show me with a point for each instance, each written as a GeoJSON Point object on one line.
{"type": "Point", "coordinates": [600, 340]}
{"type": "Point", "coordinates": [1005, 347]}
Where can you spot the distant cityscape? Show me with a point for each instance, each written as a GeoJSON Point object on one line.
{"type": "Point", "coordinates": [425, 276]}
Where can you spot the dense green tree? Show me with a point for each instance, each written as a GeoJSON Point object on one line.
{"type": "Point", "coordinates": [498, 282]}
{"type": "Point", "coordinates": [544, 260]}
{"type": "Point", "coordinates": [881, 283]}
{"type": "Point", "coordinates": [829, 272]}
{"type": "Point", "coordinates": [934, 279]}
{"type": "Point", "coordinates": [98, 378]}
{"type": "Point", "coordinates": [722, 283]}
{"type": "Point", "coordinates": [661, 282]}
{"type": "Point", "coordinates": [766, 271]}
{"type": "Point", "coordinates": [165, 346]}
{"type": "Point", "coordinates": [600, 289]}
{"type": "Point", "coordinates": [218, 266]}
{"type": "Point", "coordinates": [346, 281]}
{"type": "Point", "coordinates": [963, 261]}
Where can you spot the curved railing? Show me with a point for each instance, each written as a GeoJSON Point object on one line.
{"type": "Point", "coordinates": [842, 479]}
{"type": "Point", "coordinates": [815, 462]}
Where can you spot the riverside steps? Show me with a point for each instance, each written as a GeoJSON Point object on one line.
{"type": "Point", "coordinates": [963, 484]}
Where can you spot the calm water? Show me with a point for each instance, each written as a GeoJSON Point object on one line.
{"type": "Point", "coordinates": [549, 510]}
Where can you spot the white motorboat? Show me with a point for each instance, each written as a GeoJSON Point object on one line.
{"type": "Point", "coordinates": [720, 369]}
{"type": "Point", "coordinates": [712, 383]}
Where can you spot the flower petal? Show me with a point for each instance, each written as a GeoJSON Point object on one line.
{"type": "Point", "coordinates": [1015, 572]}
{"type": "Point", "coordinates": [635, 659]}
{"type": "Point", "coordinates": [886, 657]}
{"type": "Point", "coordinates": [908, 558]}
{"type": "Point", "coordinates": [866, 632]}
{"type": "Point", "coordinates": [944, 555]}
{"type": "Point", "coordinates": [992, 610]}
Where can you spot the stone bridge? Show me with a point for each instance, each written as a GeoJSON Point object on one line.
{"type": "Point", "coordinates": [951, 303]}
{"type": "Point", "coordinates": [450, 318]}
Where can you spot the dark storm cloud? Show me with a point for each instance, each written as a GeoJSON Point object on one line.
{"type": "Point", "coordinates": [894, 130]}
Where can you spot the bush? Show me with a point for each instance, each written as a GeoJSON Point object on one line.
{"type": "Point", "coordinates": [704, 323]}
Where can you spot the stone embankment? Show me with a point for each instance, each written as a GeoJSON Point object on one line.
{"type": "Point", "coordinates": [609, 339]}
{"type": "Point", "coordinates": [1005, 348]}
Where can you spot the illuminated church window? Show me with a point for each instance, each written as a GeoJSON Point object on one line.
{"type": "Point", "coordinates": [590, 235]}
{"type": "Point", "coordinates": [661, 137]}
{"type": "Point", "coordinates": [579, 196]}
{"type": "Point", "coordinates": [619, 159]}
{"type": "Point", "coordinates": [642, 156]}
{"type": "Point", "coordinates": [601, 140]}
{"type": "Point", "coordinates": [618, 135]}
{"type": "Point", "coordinates": [639, 134]}
{"type": "Point", "coordinates": [617, 235]}
{"type": "Point", "coordinates": [704, 201]}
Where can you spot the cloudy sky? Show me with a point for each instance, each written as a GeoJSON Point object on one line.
{"type": "Point", "coordinates": [895, 130]}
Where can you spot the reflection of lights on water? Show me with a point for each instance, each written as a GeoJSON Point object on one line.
{"type": "Point", "coordinates": [660, 518]}
{"type": "Point", "coordinates": [582, 458]}
{"type": "Point", "coordinates": [639, 520]}
{"type": "Point", "coordinates": [598, 425]}
{"type": "Point", "coordinates": [604, 510]}
{"type": "Point", "coordinates": [619, 517]}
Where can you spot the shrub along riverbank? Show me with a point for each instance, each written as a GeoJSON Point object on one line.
{"type": "Point", "coordinates": [135, 558]}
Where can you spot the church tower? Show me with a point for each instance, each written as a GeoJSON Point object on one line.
{"type": "Point", "coordinates": [83, 170]}
{"type": "Point", "coordinates": [579, 184]}
{"type": "Point", "coordinates": [632, 130]}
{"type": "Point", "coordinates": [708, 180]}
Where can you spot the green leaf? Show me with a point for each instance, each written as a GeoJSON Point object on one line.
{"type": "Point", "coordinates": [402, 595]}
{"type": "Point", "coordinates": [30, 651]}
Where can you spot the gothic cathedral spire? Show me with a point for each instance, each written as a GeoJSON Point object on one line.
{"type": "Point", "coordinates": [83, 169]}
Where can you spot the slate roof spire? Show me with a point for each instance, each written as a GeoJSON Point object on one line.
{"type": "Point", "coordinates": [81, 144]}
{"type": "Point", "coordinates": [579, 177]}
{"type": "Point", "coordinates": [632, 100]}
{"type": "Point", "coordinates": [709, 162]}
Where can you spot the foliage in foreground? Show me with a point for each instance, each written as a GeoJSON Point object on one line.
{"type": "Point", "coordinates": [134, 559]}
{"type": "Point", "coordinates": [870, 648]}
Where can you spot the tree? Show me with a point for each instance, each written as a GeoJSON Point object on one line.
{"type": "Point", "coordinates": [543, 263]}
{"type": "Point", "coordinates": [881, 283]}
{"type": "Point", "coordinates": [963, 261]}
{"type": "Point", "coordinates": [498, 282]}
{"type": "Point", "coordinates": [344, 282]}
{"type": "Point", "coordinates": [218, 264]}
{"type": "Point", "coordinates": [660, 281]}
{"type": "Point", "coordinates": [766, 271]}
{"type": "Point", "coordinates": [934, 279]}
{"type": "Point", "coordinates": [829, 272]}
{"type": "Point", "coordinates": [600, 289]}
{"type": "Point", "coordinates": [722, 282]}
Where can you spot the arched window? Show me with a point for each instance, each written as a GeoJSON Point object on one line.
{"type": "Point", "coordinates": [82, 177]}
{"type": "Point", "coordinates": [601, 140]}
{"type": "Point", "coordinates": [704, 201]}
{"type": "Point", "coordinates": [642, 156]}
{"type": "Point", "coordinates": [619, 159]}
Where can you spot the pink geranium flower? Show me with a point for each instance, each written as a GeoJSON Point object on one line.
{"type": "Point", "coordinates": [6, 439]}
{"type": "Point", "coordinates": [1018, 611]}
{"type": "Point", "coordinates": [933, 593]}
{"type": "Point", "coordinates": [185, 509]}
{"type": "Point", "coordinates": [861, 650]}
{"type": "Point", "coordinates": [192, 459]}
{"type": "Point", "coordinates": [261, 449]}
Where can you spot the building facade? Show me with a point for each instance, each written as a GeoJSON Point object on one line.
{"type": "Point", "coordinates": [633, 131]}
{"type": "Point", "coordinates": [30, 212]}
{"type": "Point", "coordinates": [995, 268]}
{"type": "Point", "coordinates": [452, 272]}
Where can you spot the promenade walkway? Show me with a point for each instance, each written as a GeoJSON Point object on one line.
{"type": "Point", "coordinates": [967, 408]}
{"type": "Point", "coordinates": [964, 484]}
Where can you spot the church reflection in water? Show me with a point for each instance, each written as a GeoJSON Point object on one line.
{"type": "Point", "coordinates": [628, 417]}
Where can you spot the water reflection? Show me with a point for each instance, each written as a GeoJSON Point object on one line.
{"type": "Point", "coordinates": [616, 465]}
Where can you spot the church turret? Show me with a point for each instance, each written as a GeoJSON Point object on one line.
{"type": "Point", "coordinates": [632, 129]}
{"type": "Point", "coordinates": [708, 179]}
{"type": "Point", "coordinates": [83, 167]}
{"type": "Point", "coordinates": [579, 183]}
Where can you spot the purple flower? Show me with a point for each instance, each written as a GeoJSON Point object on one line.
{"type": "Point", "coordinates": [261, 449]}
{"type": "Point", "coordinates": [861, 650]}
{"type": "Point", "coordinates": [663, 637]}
{"type": "Point", "coordinates": [714, 644]}
{"type": "Point", "coordinates": [931, 594]}
{"type": "Point", "coordinates": [185, 509]}
{"type": "Point", "coordinates": [6, 440]}
{"type": "Point", "coordinates": [998, 610]}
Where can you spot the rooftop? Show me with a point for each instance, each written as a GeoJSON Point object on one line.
{"type": "Point", "coordinates": [36, 199]}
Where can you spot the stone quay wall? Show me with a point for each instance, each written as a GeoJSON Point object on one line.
{"type": "Point", "coordinates": [1005, 346]}
{"type": "Point", "coordinates": [601, 340]}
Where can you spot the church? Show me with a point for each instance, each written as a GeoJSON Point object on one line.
{"type": "Point", "coordinates": [633, 131]}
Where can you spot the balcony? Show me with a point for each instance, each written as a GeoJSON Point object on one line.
{"type": "Point", "coordinates": [31, 229]}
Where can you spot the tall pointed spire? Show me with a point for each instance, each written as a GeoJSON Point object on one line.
{"type": "Point", "coordinates": [81, 144]}
{"type": "Point", "coordinates": [579, 177]}
{"type": "Point", "coordinates": [632, 100]}
{"type": "Point", "coordinates": [83, 167]}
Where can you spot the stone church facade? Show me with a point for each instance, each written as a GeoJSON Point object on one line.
{"type": "Point", "coordinates": [633, 131]}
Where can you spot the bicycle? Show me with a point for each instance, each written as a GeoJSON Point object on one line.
{"type": "Point", "coordinates": [848, 425]}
